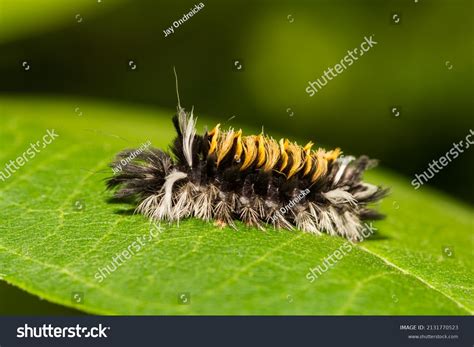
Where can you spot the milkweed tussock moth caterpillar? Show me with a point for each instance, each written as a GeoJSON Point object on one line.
{"type": "Point", "coordinates": [225, 176]}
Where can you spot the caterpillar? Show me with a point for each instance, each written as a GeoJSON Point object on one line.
{"type": "Point", "coordinates": [225, 176]}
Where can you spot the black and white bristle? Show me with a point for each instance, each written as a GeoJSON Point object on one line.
{"type": "Point", "coordinates": [224, 176]}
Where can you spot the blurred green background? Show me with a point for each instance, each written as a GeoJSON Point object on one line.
{"type": "Point", "coordinates": [423, 65]}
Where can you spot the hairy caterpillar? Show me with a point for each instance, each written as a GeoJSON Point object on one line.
{"type": "Point", "coordinates": [225, 176]}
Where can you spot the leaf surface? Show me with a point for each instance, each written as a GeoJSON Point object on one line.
{"type": "Point", "coordinates": [58, 230]}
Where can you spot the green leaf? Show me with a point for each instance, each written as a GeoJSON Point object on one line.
{"type": "Point", "coordinates": [418, 262]}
